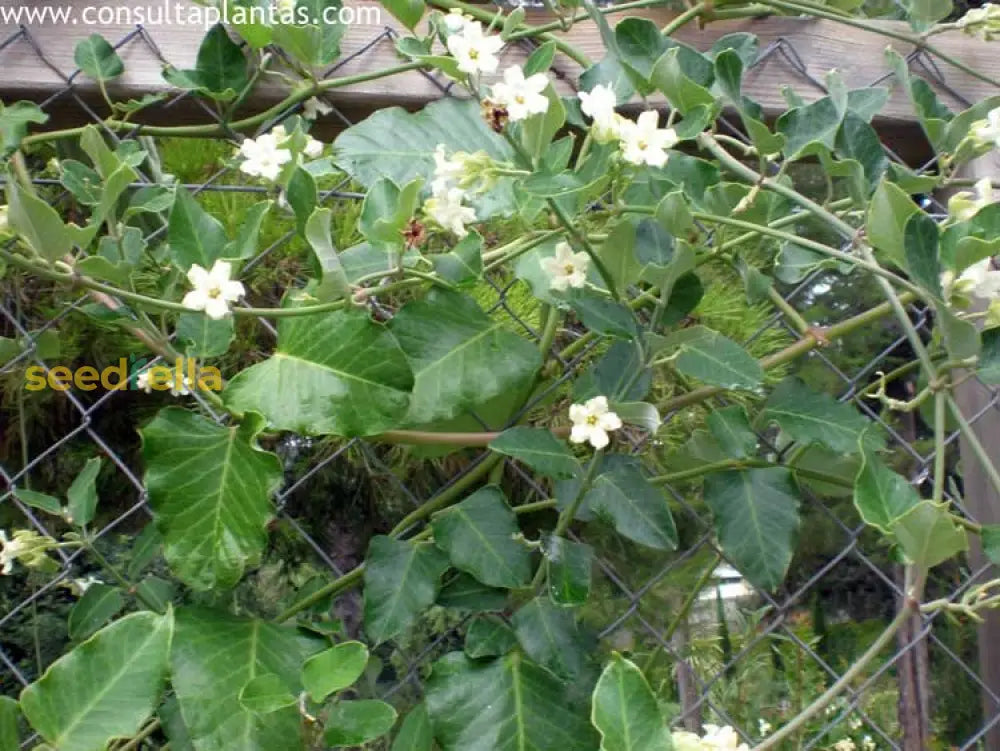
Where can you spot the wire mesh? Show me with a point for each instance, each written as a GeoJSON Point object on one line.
{"type": "Point", "coordinates": [637, 597]}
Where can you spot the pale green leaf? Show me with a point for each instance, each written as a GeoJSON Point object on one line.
{"type": "Point", "coordinates": [714, 359]}
{"type": "Point", "coordinates": [478, 536]}
{"type": "Point", "coordinates": [888, 213]}
{"type": "Point", "coordinates": [352, 723]}
{"type": "Point", "coordinates": [625, 711]}
{"type": "Point", "coordinates": [929, 534]}
{"type": "Point", "coordinates": [38, 224]}
{"type": "Point", "coordinates": [334, 669]}
{"type": "Point", "coordinates": [210, 487]}
{"type": "Point", "coordinates": [10, 735]}
{"type": "Point", "coordinates": [463, 264]}
{"type": "Point", "coordinates": [98, 59]}
{"type": "Point", "coordinates": [333, 284]}
{"type": "Point", "coordinates": [756, 520]}
{"type": "Point", "coordinates": [14, 121]}
{"type": "Point", "coordinates": [415, 732]}
{"type": "Point", "coordinates": [880, 495]}
{"type": "Point", "coordinates": [81, 497]}
{"type": "Point", "coordinates": [103, 689]}
{"type": "Point", "coordinates": [98, 605]}
{"type": "Point", "coordinates": [245, 244]}
{"type": "Point", "coordinates": [201, 336]}
{"type": "Point", "coordinates": [266, 693]}
{"type": "Point", "coordinates": [41, 501]}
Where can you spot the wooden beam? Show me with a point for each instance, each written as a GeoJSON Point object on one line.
{"type": "Point", "coordinates": [36, 63]}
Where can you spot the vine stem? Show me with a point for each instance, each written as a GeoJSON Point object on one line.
{"type": "Point", "coordinates": [910, 606]}
{"type": "Point", "coordinates": [683, 19]}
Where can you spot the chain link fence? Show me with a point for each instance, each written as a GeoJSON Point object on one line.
{"type": "Point", "coordinates": [743, 653]}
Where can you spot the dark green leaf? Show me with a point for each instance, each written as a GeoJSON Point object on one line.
{"type": "Point", "coordinates": [210, 487]}
{"type": "Point", "coordinates": [640, 44]}
{"type": "Point", "coordinates": [549, 635]}
{"type": "Point", "coordinates": [539, 449]}
{"type": "Point", "coordinates": [10, 736]}
{"type": "Point", "coordinates": [105, 688]}
{"type": "Point", "coordinates": [478, 535]}
{"type": "Point", "coordinates": [714, 359]}
{"type": "Point", "coordinates": [201, 336]}
{"type": "Point", "coordinates": [42, 501]}
{"type": "Point", "coordinates": [194, 235]}
{"type": "Point", "coordinates": [463, 592]}
{"type": "Point", "coordinates": [731, 429]}
{"type": "Point", "coordinates": [81, 498]}
{"type": "Point", "coordinates": [653, 244]}
{"type": "Point", "coordinates": [756, 520]}
{"type": "Point", "coordinates": [603, 316]}
{"type": "Point", "coordinates": [488, 636]}
{"type": "Point", "coordinates": [302, 197]}
{"type": "Point", "coordinates": [99, 604]}
{"type": "Point", "coordinates": [220, 69]}
{"type": "Point", "coordinates": [338, 373]}
{"type": "Point", "coordinates": [463, 264]}
{"type": "Point", "coordinates": [988, 367]}
{"type": "Point", "coordinates": [408, 12]}
{"type": "Point", "coordinates": [415, 732]}
{"type": "Point", "coordinates": [888, 214]}
{"type": "Point", "coordinates": [352, 723]}
{"type": "Point", "coordinates": [638, 510]}
{"type": "Point", "coordinates": [612, 376]}
{"type": "Point", "coordinates": [921, 238]}
{"type": "Point", "coordinates": [684, 94]}
{"type": "Point", "coordinates": [401, 580]}
{"type": "Point", "coordinates": [568, 566]}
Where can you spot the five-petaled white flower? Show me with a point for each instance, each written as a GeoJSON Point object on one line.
{"type": "Point", "coordinates": [455, 20]}
{"type": "Point", "coordinates": [643, 142]}
{"type": "Point", "coordinates": [475, 51]}
{"type": "Point", "coordinates": [315, 108]}
{"type": "Point", "coordinates": [9, 550]}
{"type": "Point", "coordinates": [521, 97]}
{"type": "Point", "coordinates": [213, 290]}
{"type": "Point", "coordinates": [591, 422]}
{"type": "Point", "coordinates": [721, 739]}
{"type": "Point", "coordinates": [313, 148]}
{"type": "Point", "coordinates": [79, 587]}
{"type": "Point", "coordinates": [979, 279]}
{"type": "Point", "coordinates": [988, 130]}
{"type": "Point", "coordinates": [566, 269]}
{"type": "Point", "coordinates": [447, 210]}
{"type": "Point", "coordinates": [965, 205]}
{"type": "Point", "coordinates": [599, 104]}
{"type": "Point", "coordinates": [448, 170]}
{"type": "Point", "coordinates": [264, 156]}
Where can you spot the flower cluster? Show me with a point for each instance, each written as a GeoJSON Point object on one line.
{"type": "Point", "coordinates": [451, 176]}
{"type": "Point", "coordinates": [26, 546]}
{"type": "Point", "coordinates": [983, 22]}
{"type": "Point", "coordinates": [987, 132]}
{"type": "Point", "coordinates": [964, 205]}
{"type": "Point", "coordinates": [642, 141]}
{"type": "Point", "coordinates": [980, 279]}
{"type": "Point", "coordinates": [592, 421]}
{"type": "Point", "coordinates": [180, 386]}
{"type": "Point", "coordinates": [266, 155]}
{"type": "Point", "coordinates": [715, 738]}
{"type": "Point", "coordinates": [213, 290]}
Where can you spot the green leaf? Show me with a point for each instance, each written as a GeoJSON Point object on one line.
{"type": "Point", "coordinates": [193, 235]}
{"type": "Point", "coordinates": [888, 213]}
{"type": "Point", "coordinates": [925, 13]}
{"type": "Point", "coordinates": [568, 568]}
{"type": "Point", "coordinates": [638, 510]}
{"type": "Point", "coordinates": [333, 283]}
{"type": "Point", "coordinates": [756, 520]}
{"type": "Point", "coordinates": [538, 131]}
{"type": "Point", "coordinates": [540, 60]}
{"type": "Point", "coordinates": [336, 373]}
{"type": "Point", "coordinates": [214, 656]}
{"type": "Point", "coordinates": [549, 635]}
{"type": "Point", "coordinates": [245, 244]}
{"type": "Point", "coordinates": [210, 487]}
{"type": "Point", "coordinates": [14, 121]}
{"type": "Point", "coordinates": [82, 494]}
{"type": "Point", "coordinates": [507, 703]}
{"type": "Point", "coordinates": [653, 244]}
{"type": "Point", "coordinates": [201, 336]}
{"type": "Point", "coordinates": [603, 316]}
{"type": "Point", "coordinates": [401, 580]}
{"type": "Point", "coordinates": [489, 636]}
{"type": "Point", "coordinates": [987, 369]}
{"type": "Point", "coordinates": [460, 356]}
{"type": "Point", "coordinates": [612, 376]}
{"type": "Point", "coordinates": [714, 359]}
{"type": "Point", "coordinates": [10, 737]}
{"type": "Point", "coordinates": [409, 12]}
{"type": "Point", "coordinates": [303, 197]}
{"type": "Point", "coordinates": [640, 44]}
{"type": "Point", "coordinates": [99, 604]}
{"type": "Point", "coordinates": [334, 669]}
{"type": "Point", "coordinates": [625, 710]}
{"type": "Point", "coordinates": [266, 693]}
{"type": "Point", "coordinates": [731, 429]}
{"type": "Point", "coordinates": [880, 495]}
{"type": "Point", "coordinates": [105, 688]}
{"type": "Point", "coordinates": [396, 144]}
{"type": "Point", "coordinates": [921, 240]}
{"type": "Point", "coordinates": [641, 414]}
{"type": "Point", "coordinates": [220, 69]}
{"type": "Point", "coordinates": [463, 592]}
{"type": "Point", "coordinates": [929, 535]}
{"type": "Point", "coordinates": [352, 723]}
{"type": "Point", "coordinates": [539, 449]}
{"type": "Point", "coordinates": [683, 93]}
{"type": "Point", "coordinates": [98, 59]}
{"type": "Point", "coordinates": [991, 542]}
{"type": "Point", "coordinates": [41, 501]}
{"type": "Point", "coordinates": [478, 536]}
{"type": "Point", "coordinates": [463, 264]}
{"type": "Point", "coordinates": [386, 210]}
{"type": "Point", "coordinates": [38, 224]}
{"type": "Point", "coordinates": [316, 43]}
{"type": "Point", "coordinates": [415, 733]}
{"type": "Point", "coordinates": [811, 416]}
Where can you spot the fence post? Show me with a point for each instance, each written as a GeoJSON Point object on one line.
{"type": "Point", "coordinates": [983, 503]}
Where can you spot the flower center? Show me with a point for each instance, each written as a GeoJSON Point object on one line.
{"type": "Point", "coordinates": [214, 292]}
{"type": "Point", "coordinates": [519, 99]}
{"type": "Point", "coordinates": [473, 54]}
{"type": "Point", "coordinates": [569, 269]}
{"type": "Point", "coordinates": [592, 419]}
{"type": "Point", "coordinates": [643, 145]}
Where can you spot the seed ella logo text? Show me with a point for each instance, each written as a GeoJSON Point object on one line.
{"type": "Point", "coordinates": [133, 374]}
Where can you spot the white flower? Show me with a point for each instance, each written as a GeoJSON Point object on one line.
{"type": "Point", "coordinates": [980, 279]}
{"type": "Point", "coordinates": [180, 389]}
{"type": "Point", "coordinates": [213, 290]}
{"type": "Point", "coordinates": [456, 20]}
{"type": "Point", "coordinates": [521, 97]}
{"type": "Point", "coordinates": [988, 130]}
{"type": "Point", "coordinates": [645, 143]}
{"type": "Point", "coordinates": [142, 382]}
{"type": "Point", "coordinates": [79, 587]}
{"type": "Point", "coordinates": [845, 744]}
{"type": "Point", "coordinates": [9, 550]}
{"type": "Point", "coordinates": [686, 741]}
{"type": "Point", "coordinates": [855, 722]}
{"type": "Point", "coordinates": [722, 739]}
{"type": "Point", "coordinates": [965, 205]}
{"type": "Point", "coordinates": [591, 422]}
{"type": "Point", "coordinates": [475, 52]}
{"type": "Point", "coordinates": [315, 108]}
{"type": "Point", "coordinates": [763, 727]}
{"type": "Point", "coordinates": [447, 170]}
{"type": "Point", "coordinates": [313, 148]}
{"type": "Point", "coordinates": [599, 104]}
{"type": "Point", "coordinates": [263, 156]}
{"type": "Point", "coordinates": [566, 269]}
{"type": "Point", "coordinates": [867, 744]}
{"type": "Point", "coordinates": [447, 210]}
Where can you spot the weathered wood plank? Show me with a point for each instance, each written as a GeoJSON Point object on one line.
{"type": "Point", "coordinates": [821, 45]}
